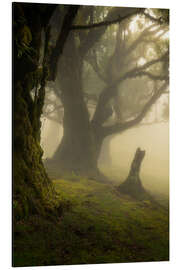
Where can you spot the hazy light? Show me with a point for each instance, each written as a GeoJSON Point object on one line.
{"type": "Point", "coordinates": [155, 27]}
{"type": "Point", "coordinates": [126, 32]}
{"type": "Point", "coordinates": [141, 61]}
{"type": "Point", "coordinates": [150, 12]}
{"type": "Point", "coordinates": [150, 52]}
{"type": "Point", "coordinates": [133, 26]}
{"type": "Point", "coordinates": [165, 35]}
{"type": "Point", "coordinates": [154, 140]}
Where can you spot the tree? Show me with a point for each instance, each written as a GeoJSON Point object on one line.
{"type": "Point", "coordinates": [83, 135]}
{"type": "Point", "coordinates": [33, 192]}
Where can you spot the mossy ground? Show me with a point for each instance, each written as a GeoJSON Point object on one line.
{"type": "Point", "coordinates": [102, 226]}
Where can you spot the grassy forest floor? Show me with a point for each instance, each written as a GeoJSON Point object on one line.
{"type": "Point", "coordinates": [100, 226]}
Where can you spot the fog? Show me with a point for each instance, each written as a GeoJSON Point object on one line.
{"type": "Point", "coordinates": [91, 86]}
{"type": "Point", "coordinates": [154, 139]}
{"type": "Point", "coordinates": [51, 136]}
{"type": "Point", "coordinates": [129, 61]}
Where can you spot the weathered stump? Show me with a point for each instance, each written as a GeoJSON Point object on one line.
{"type": "Point", "coordinates": [132, 185]}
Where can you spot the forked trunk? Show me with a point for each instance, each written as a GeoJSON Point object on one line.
{"type": "Point", "coordinates": [77, 152]}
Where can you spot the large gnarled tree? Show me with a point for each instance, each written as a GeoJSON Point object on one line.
{"type": "Point", "coordinates": [136, 60]}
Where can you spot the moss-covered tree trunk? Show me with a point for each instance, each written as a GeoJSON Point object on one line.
{"type": "Point", "coordinates": [33, 192]}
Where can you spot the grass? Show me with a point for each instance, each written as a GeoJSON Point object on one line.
{"type": "Point", "coordinates": [102, 226]}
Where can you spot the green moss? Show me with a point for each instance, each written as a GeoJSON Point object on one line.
{"type": "Point", "coordinates": [33, 191]}
{"type": "Point", "coordinates": [99, 226]}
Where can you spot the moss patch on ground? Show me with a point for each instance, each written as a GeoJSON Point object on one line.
{"type": "Point", "coordinates": [101, 226]}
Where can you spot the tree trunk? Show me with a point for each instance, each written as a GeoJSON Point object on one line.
{"type": "Point", "coordinates": [33, 192]}
{"type": "Point", "coordinates": [77, 151]}
{"type": "Point", "coordinates": [80, 146]}
{"type": "Point", "coordinates": [132, 185]}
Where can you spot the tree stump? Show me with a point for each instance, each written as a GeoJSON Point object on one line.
{"type": "Point", "coordinates": [132, 185]}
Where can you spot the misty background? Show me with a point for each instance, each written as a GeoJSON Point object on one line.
{"type": "Point", "coordinates": [121, 147]}
{"type": "Point", "coordinates": [130, 45]}
{"type": "Point", "coordinates": [92, 89]}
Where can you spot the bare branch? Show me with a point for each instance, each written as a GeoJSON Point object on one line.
{"type": "Point", "coordinates": [140, 70]}
{"type": "Point", "coordinates": [142, 37]}
{"type": "Point", "coordinates": [111, 90]}
{"type": "Point", "coordinates": [57, 51]}
{"type": "Point", "coordinates": [96, 34]}
{"type": "Point", "coordinates": [153, 19]}
{"type": "Point", "coordinates": [150, 75]}
{"type": "Point", "coordinates": [104, 23]}
{"type": "Point", "coordinates": [119, 127]}
{"type": "Point", "coordinates": [95, 66]}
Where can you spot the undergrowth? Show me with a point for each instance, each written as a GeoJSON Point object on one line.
{"type": "Point", "coordinates": [101, 226]}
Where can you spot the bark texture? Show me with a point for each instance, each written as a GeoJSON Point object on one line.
{"type": "Point", "coordinates": [77, 151]}
{"type": "Point", "coordinates": [33, 192]}
{"type": "Point", "coordinates": [133, 185]}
